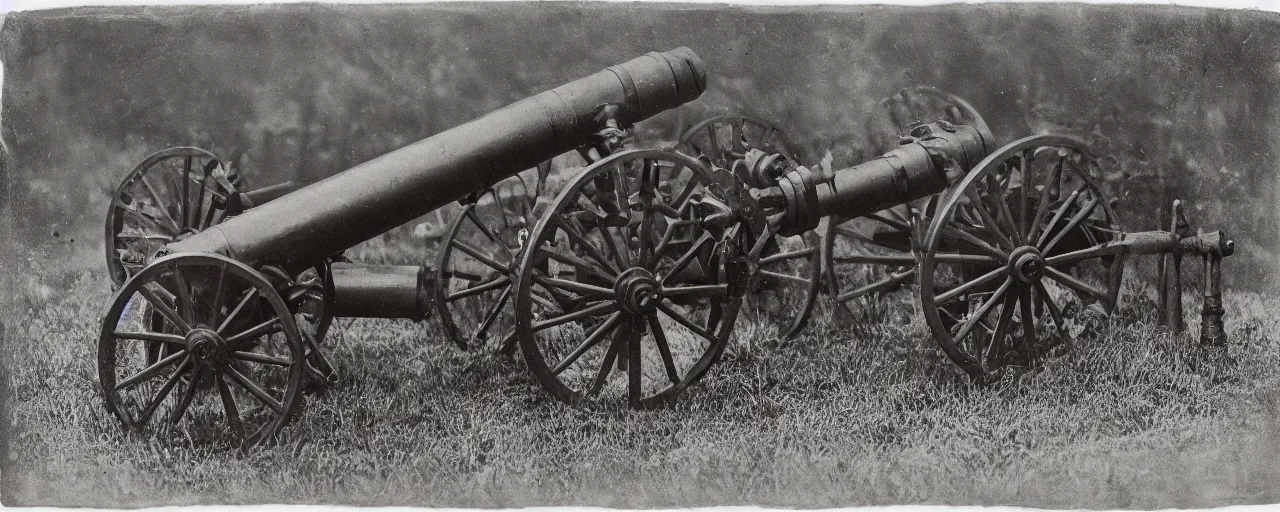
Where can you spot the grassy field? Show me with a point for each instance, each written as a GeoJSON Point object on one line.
{"type": "Point", "coordinates": [848, 414]}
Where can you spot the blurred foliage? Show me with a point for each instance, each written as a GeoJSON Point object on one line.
{"type": "Point", "coordinates": [1180, 101]}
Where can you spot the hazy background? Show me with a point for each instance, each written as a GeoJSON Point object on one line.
{"type": "Point", "coordinates": [1183, 101]}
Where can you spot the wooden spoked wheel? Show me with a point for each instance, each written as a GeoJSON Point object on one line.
{"type": "Point", "coordinates": [172, 193]}
{"type": "Point", "coordinates": [630, 270]}
{"type": "Point", "coordinates": [232, 364]}
{"type": "Point", "coordinates": [478, 258]}
{"type": "Point", "coordinates": [789, 280]}
{"type": "Point", "coordinates": [877, 255]}
{"type": "Point", "coordinates": [723, 139]}
{"type": "Point", "coordinates": [873, 256]}
{"type": "Point", "coordinates": [783, 298]}
{"type": "Point", "coordinates": [1014, 254]}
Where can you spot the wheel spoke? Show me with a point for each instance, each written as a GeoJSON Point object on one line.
{"type": "Point", "coordinates": [229, 405]}
{"type": "Point", "coordinates": [1002, 329]}
{"type": "Point", "coordinates": [148, 221]}
{"type": "Point", "coordinates": [786, 278]}
{"type": "Point", "coordinates": [876, 259]}
{"type": "Point", "coordinates": [188, 395]}
{"type": "Point", "coordinates": [492, 284]}
{"type": "Point", "coordinates": [235, 312]}
{"type": "Point", "coordinates": [254, 357]}
{"type": "Point", "coordinates": [492, 315]}
{"type": "Point", "coordinates": [879, 286]}
{"type": "Point", "coordinates": [635, 330]}
{"type": "Point", "coordinates": [1028, 322]}
{"type": "Point", "coordinates": [1075, 284]}
{"type": "Point", "coordinates": [570, 228]}
{"type": "Point", "coordinates": [943, 257]}
{"type": "Point", "coordinates": [1075, 221]}
{"type": "Point", "coordinates": [186, 193]}
{"type": "Point", "coordinates": [808, 251]}
{"type": "Point", "coordinates": [706, 290]}
{"type": "Point", "coordinates": [151, 336]}
{"type": "Point", "coordinates": [150, 371]}
{"type": "Point", "coordinates": [688, 324]}
{"type": "Point", "coordinates": [951, 294]}
{"type": "Point", "coordinates": [1002, 211]}
{"type": "Point", "coordinates": [163, 392]}
{"type": "Point", "coordinates": [606, 366]}
{"type": "Point", "coordinates": [270, 326]}
{"type": "Point", "coordinates": [484, 229]}
{"type": "Point", "coordinates": [621, 257]}
{"type": "Point", "coordinates": [481, 256]}
{"type": "Point", "coordinates": [253, 389]}
{"type": "Point", "coordinates": [687, 257]}
{"type": "Point", "coordinates": [577, 262]}
{"type": "Point", "coordinates": [216, 306]}
{"type": "Point", "coordinates": [989, 224]}
{"type": "Point", "coordinates": [664, 348]}
{"type": "Point", "coordinates": [1043, 207]}
{"type": "Point", "coordinates": [1057, 216]}
{"type": "Point", "coordinates": [668, 234]}
{"type": "Point", "coordinates": [166, 311]}
{"type": "Point", "coordinates": [1024, 198]}
{"type": "Point", "coordinates": [983, 310]}
{"type": "Point", "coordinates": [592, 340]}
{"type": "Point", "coordinates": [974, 241]}
{"type": "Point", "coordinates": [604, 307]}
{"type": "Point", "coordinates": [1054, 311]}
{"type": "Point", "coordinates": [183, 296]}
{"type": "Point", "coordinates": [583, 289]}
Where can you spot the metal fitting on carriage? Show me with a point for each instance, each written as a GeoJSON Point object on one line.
{"type": "Point", "coordinates": [762, 170]}
{"type": "Point", "coordinates": [609, 117]}
{"type": "Point", "coordinates": [382, 291]}
{"type": "Point", "coordinates": [1213, 243]}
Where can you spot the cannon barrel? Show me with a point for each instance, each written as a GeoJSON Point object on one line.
{"type": "Point", "coordinates": [914, 170]}
{"type": "Point", "coordinates": [337, 213]}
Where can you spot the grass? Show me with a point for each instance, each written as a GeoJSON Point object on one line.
{"type": "Point", "coordinates": [844, 415]}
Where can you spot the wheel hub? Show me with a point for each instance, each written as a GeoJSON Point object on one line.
{"type": "Point", "coordinates": [207, 348]}
{"type": "Point", "coordinates": [1026, 264]}
{"type": "Point", "coordinates": [637, 291]}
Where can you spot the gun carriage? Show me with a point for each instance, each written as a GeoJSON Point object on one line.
{"type": "Point", "coordinates": [641, 262]}
{"type": "Point", "coordinates": [225, 302]}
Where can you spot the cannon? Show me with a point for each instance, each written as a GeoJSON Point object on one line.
{"type": "Point", "coordinates": [647, 275]}
{"type": "Point", "coordinates": [997, 257]}
{"type": "Point", "coordinates": [225, 302]}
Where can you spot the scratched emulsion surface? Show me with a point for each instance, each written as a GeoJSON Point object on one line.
{"type": "Point", "coordinates": [1182, 103]}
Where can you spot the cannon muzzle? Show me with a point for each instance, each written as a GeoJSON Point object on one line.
{"type": "Point", "coordinates": [360, 203]}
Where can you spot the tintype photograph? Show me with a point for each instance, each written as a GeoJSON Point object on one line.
{"type": "Point", "coordinates": [640, 255]}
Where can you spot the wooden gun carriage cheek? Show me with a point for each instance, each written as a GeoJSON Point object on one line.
{"type": "Point", "coordinates": [638, 243]}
